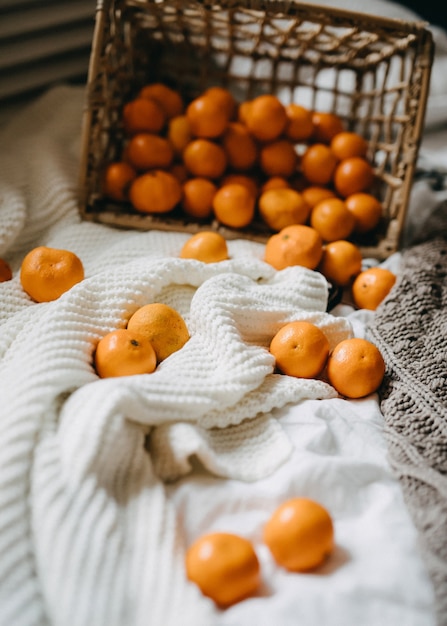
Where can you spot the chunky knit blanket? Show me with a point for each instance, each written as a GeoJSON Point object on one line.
{"type": "Point", "coordinates": [410, 329]}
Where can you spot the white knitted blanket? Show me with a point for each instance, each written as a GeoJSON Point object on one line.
{"type": "Point", "coordinates": [85, 526]}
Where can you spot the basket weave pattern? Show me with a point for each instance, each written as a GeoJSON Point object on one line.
{"type": "Point", "coordinates": [374, 73]}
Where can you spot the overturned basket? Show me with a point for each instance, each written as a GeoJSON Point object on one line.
{"type": "Point", "coordinates": [372, 72]}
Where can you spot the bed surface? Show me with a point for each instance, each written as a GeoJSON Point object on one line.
{"type": "Point", "coordinates": [103, 484]}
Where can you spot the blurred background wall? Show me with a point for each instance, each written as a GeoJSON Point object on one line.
{"type": "Point", "coordinates": [43, 42]}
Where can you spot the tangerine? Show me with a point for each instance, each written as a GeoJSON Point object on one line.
{"type": "Point", "coordinates": [300, 349]}
{"type": "Point", "coordinates": [155, 192]}
{"type": "Point", "coordinates": [300, 534]}
{"type": "Point", "coordinates": [294, 245]}
{"type": "Point", "coordinates": [224, 97]}
{"type": "Point", "coordinates": [47, 273]}
{"type": "Point", "coordinates": [117, 180]}
{"type": "Point", "coordinates": [242, 179]}
{"type": "Point", "coordinates": [282, 207]}
{"type": "Point", "coordinates": [353, 175]}
{"type": "Point", "coordinates": [265, 117]}
{"type": "Point", "coordinates": [326, 126]}
{"type": "Point", "coordinates": [234, 205]}
{"type": "Point", "coordinates": [371, 287]}
{"type": "Point", "coordinates": [278, 158]}
{"type": "Point", "coordinates": [341, 262]}
{"type": "Point", "coordinates": [205, 246]}
{"type": "Point", "coordinates": [355, 368]}
{"type": "Point", "coordinates": [143, 115]}
{"type": "Point", "coordinates": [224, 566]}
{"type": "Point", "coordinates": [162, 325]}
{"type": "Point", "coordinates": [207, 117]}
{"type": "Point", "coordinates": [243, 111]}
{"type": "Point", "coordinates": [198, 194]}
{"type": "Point", "coordinates": [169, 99]}
{"type": "Point", "coordinates": [314, 194]}
{"type": "Point", "coordinates": [146, 151]}
{"type": "Point", "coordinates": [332, 219]}
{"type": "Point", "coordinates": [124, 353]}
{"type": "Point", "coordinates": [318, 164]}
{"type": "Point", "coordinates": [240, 147]}
{"type": "Point", "coordinates": [367, 211]}
{"type": "Point", "coordinates": [204, 158]}
{"type": "Point", "coordinates": [300, 126]}
{"type": "Point", "coordinates": [179, 133]}
{"type": "Point", "coordinates": [348, 144]}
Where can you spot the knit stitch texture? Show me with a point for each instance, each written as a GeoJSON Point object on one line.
{"type": "Point", "coordinates": [410, 328]}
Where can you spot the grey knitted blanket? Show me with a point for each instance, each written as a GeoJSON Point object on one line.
{"type": "Point", "coordinates": [410, 328]}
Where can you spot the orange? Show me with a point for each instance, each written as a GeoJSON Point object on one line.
{"type": "Point", "coordinates": [275, 182]}
{"type": "Point", "coordinates": [341, 262]}
{"type": "Point", "coordinates": [146, 151]}
{"type": "Point", "coordinates": [224, 566]}
{"type": "Point", "coordinates": [207, 117]}
{"type": "Point", "coordinates": [278, 158]}
{"type": "Point", "coordinates": [179, 133]}
{"type": "Point", "coordinates": [300, 534]}
{"type": "Point", "coordinates": [198, 194]}
{"type": "Point", "coordinates": [371, 287]}
{"type": "Point", "coordinates": [143, 115]}
{"type": "Point", "coordinates": [300, 349]}
{"type": "Point", "coordinates": [294, 245]}
{"type": "Point", "coordinates": [205, 158]}
{"type": "Point", "coordinates": [366, 209]}
{"type": "Point", "coordinates": [124, 353]}
{"type": "Point", "coordinates": [234, 205]}
{"type": "Point", "coordinates": [318, 164]}
{"type": "Point", "coordinates": [117, 179]}
{"type": "Point", "coordinates": [348, 144]}
{"type": "Point", "coordinates": [243, 110]}
{"type": "Point", "coordinates": [224, 97]}
{"type": "Point", "coordinates": [299, 126]}
{"type": "Point", "coordinates": [168, 98]}
{"type": "Point", "coordinates": [240, 147]}
{"type": "Point", "coordinates": [205, 246]}
{"type": "Point", "coordinates": [353, 175]}
{"type": "Point", "coordinates": [282, 207]}
{"type": "Point", "coordinates": [155, 192]}
{"type": "Point", "coordinates": [46, 273]}
{"type": "Point", "coordinates": [355, 368]}
{"type": "Point", "coordinates": [5, 271]}
{"type": "Point", "coordinates": [242, 179]}
{"type": "Point", "coordinates": [314, 194]}
{"type": "Point", "coordinates": [162, 325]}
{"type": "Point", "coordinates": [332, 219]}
{"type": "Point", "coordinates": [326, 126]}
{"type": "Point", "coordinates": [265, 117]}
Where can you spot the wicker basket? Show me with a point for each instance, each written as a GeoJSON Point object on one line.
{"type": "Point", "coordinates": [373, 72]}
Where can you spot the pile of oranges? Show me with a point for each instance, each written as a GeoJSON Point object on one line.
{"type": "Point", "coordinates": [298, 172]}
{"type": "Point", "coordinates": [214, 158]}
